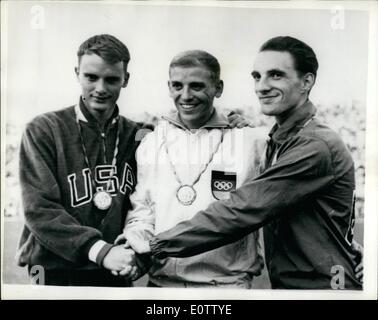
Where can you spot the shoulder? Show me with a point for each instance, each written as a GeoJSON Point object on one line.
{"type": "Point", "coordinates": [334, 145]}
{"type": "Point", "coordinates": [255, 133]}
{"type": "Point", "coordinates": [321, 133]}
{"type": "Point", "coordinates": [52, 120]}
{"type": "Point", "coordinates": [252, 137]}
{"type": "Point", "coordinates": [139, 129]}
{"type": "Point", "coordinates": [149, 138]}
{"type": "Point", "coordinates": [162, 131]}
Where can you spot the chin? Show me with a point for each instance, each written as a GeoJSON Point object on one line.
{"type": "Point", "coordinates": [100, 106]}
{"type": "Point", "coordinates": [268, 110]}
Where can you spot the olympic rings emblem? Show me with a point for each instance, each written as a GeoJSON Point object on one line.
{"type": "Point", "coordinates": [223, 185]}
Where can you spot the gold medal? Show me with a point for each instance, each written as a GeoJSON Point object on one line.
{"type": "Point", "coordinates": [186, 195]}
{"type": "Point", "coordinates": [102, 200]}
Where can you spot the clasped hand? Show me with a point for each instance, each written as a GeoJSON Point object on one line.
{"type": "Point", "coordinates": [121, 261]}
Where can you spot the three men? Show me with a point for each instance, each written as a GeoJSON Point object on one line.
{"type": "Point", "coordinates": [304, 196]}
{"type": "Point", "coordinates": [192, 159]}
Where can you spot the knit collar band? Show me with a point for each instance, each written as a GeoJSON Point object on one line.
{"type": "Point", "coordinates": [216, 121]}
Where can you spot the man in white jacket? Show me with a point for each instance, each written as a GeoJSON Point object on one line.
{"type": "Point", "coordinates": [191, 159]}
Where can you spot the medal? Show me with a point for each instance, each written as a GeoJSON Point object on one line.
{"type": "Point", "coordinates": [102, 200]}
{"type": "Point", "coordinates": [186, 195]}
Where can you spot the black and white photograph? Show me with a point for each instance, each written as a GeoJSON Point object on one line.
{"type": "Point", "coordinates": [189, 150]}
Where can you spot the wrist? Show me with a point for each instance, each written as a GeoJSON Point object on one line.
{"type": "Point", "coordinates": [94, 249]}
{"type": "Point", "coordinates": [102, 253]}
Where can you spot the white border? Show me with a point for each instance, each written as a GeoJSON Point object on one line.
{"type": "Point", "coordinates": [370, 232]}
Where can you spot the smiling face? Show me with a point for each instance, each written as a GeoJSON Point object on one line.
{"type": "Point", "coordinates": [193, 90]}
{"type": "Point", "coordinates": [278, 85]}
{"type": "Point", "coordinates": [101, 83]}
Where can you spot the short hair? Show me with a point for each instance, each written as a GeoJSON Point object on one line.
{"type": "Point", "coordinates": [195, 58]}
{"type": "Point", "coordinates": [304, 57]}
{"type": "Point", "coordinates": [107, 47]}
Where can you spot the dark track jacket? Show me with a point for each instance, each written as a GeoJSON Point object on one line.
{"type": "Point", "coordinates": [61, 222]}
{"type": "Point", "coordinates": [305, 202]}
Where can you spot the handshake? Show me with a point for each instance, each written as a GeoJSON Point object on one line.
{"type": "Point", "coordinates": [129, 260]}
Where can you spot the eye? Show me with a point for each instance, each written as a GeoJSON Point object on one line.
{"type": "Point", "coordinates": [91, 77]}
{"type": "Point", "coordinates": [197, 86]}
{"type": "Point", "coordinates": [276, 75]}
{"type": "Point", "coordinates": [176, 86]}
{"type": "Point", "coordinates": [256, 76]}
{"type": "Point", "coordinates": [113, 80]}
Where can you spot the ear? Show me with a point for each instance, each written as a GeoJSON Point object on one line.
{"type": "Point", "coordinates": [219, 88]}
{"type": "Point", "coordinates": [77, 71]}
{"type": "Point", "coordinates": [126, 80]}
{"type": "Point", "coordinates": [170, 89]}
{"type": "Point", "coordinates": [308, 81]}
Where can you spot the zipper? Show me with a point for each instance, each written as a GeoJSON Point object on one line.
{"type": "Point", "coordinates": [103, 138]}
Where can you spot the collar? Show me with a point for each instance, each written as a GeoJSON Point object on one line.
{"type": "Point", "coordinates": [84, 115]}
{"type": "Point", "coordinates": [293, 124]}
{"type": "Point", "coordinates": [216, 121]}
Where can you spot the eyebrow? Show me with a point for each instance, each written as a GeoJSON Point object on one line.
{"type": "Point", "coordinates": [196, 83]}
{"type": "Point", "coordinates": [276, 71]}
{"type": "Point", "coordinates": [89, 74]}
{"type": "Point", "coordinates": [269, 72]}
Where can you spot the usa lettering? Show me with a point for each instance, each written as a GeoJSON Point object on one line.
{"type": "Point", "coordinates": [103, 176]}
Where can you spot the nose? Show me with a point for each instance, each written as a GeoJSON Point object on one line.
{"type": "Point", "coordinates": [262, 86]}
{"type": "Point", "coordinates": [100, 86]}
{"type": "Point", "coordinates": [186, 94]}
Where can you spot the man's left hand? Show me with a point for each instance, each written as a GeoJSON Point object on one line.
{"type": "Point", "coordinates": [238, 121]}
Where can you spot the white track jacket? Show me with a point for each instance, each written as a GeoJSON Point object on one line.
{"type": "Point", "coordinates": [156, 207]}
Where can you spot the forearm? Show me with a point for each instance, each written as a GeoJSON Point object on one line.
{"type": "Point", "coordinates": [140, 226]}
{"type": "Point", "coordinates": [58, 231]}
{"type": "Point", "coordinates": [292, 181]}
{"type": "Point", "coordinates": [220, 223]}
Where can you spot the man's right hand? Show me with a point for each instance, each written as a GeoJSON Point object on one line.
{"type": "Point", "coordinates": [118, 258]}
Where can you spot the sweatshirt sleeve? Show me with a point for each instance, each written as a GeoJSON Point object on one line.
{"type": "Point", "coordinates": [45, 216]}
{"type": "Point", "coordinates": [140, 221]}
{"type": "Point", "coordinates": [303, 168]}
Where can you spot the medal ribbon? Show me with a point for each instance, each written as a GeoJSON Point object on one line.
{"type": "Point", "coordinates": [202, 171]}
{"type": "Point", "coordinates": [86, 159]}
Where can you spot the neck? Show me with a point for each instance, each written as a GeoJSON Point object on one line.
{"type": "Point", "coordinates": [199, 122]}
{"type": "Point", "coordinates": [101, 117]}
{"type": "Point", "coordinates": [283, 117]}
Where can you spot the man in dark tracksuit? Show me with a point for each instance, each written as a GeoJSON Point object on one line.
{"type": "Point", "coordinates": [77, 169]}
{"type": "Point", "coordinates": [304, 196]}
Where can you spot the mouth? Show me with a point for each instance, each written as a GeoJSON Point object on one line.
{"type": "Point", "coordinates": [100, 99]}
{"type": "Point", "coordinates": [268, 98]}
{"type": "Point", "coordinates": [188, 107]}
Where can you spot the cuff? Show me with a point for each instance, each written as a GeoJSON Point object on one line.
{"type": "Point", "coordinates": [95, 249]}
{"type": "Point", "coordinates": [154, 248]}
{"type": "Point", "coordinates": [103, 252]}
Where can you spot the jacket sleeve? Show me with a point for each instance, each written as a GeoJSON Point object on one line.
{"type": "Point", "coordinates": [45, 216]}
{"type": "Point", "coordinates": [303, 168]}
{"type": "Point", "coordinates": [140, 221]}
